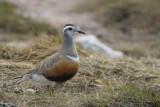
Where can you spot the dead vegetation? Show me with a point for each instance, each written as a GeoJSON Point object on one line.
{"type": "Point", "coordinates": [101, 80]}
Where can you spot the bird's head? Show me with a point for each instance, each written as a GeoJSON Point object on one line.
{"type": "Point", "coordinates": [71, 30]}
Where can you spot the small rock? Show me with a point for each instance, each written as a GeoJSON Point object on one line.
{"type": "Point", "coordinates": [17, 90]}
{"type": "Point", "coordinates": [30, 91]}
{"type": "Point", "coordinates": [90, 42]}
{"type": "Point", "coordinates": [3, 104]}
{"type": "Point", "coordinates": [118, 72]}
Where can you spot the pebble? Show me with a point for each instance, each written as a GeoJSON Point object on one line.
{"type": "Point", "coordinates": [3, 104]}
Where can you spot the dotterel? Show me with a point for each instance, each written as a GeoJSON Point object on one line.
{"type": "Point", "coordinates": [60, 66]}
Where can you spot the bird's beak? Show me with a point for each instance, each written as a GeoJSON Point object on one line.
{"type": "Point", "coordinates": [79, 31]}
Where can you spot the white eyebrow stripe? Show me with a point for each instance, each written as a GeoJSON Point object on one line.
{"type": "Point", "coordinates": [74, 59]}
{"type": "Point", "coordinates": [67, 28]}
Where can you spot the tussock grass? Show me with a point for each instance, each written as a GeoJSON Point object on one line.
{"type": "Point", "coordinates": [101, 80]}
{"type": "Point", "coordinates": [43, 48]}
{"type": "Point", "coordinates": [8, 53]}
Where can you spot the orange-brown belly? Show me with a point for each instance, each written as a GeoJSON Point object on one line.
{"type": "Point", "coordinates": [62, 71]}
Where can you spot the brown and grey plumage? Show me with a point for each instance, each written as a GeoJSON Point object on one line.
{"type": "Point", "coordinates": [60, 66]}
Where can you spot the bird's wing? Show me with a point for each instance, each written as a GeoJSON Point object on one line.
{"type": "Point", "coordinates": [46, 64]}
{"type": "Point", "coordinates": [41, 68]}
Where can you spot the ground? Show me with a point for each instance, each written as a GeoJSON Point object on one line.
{"type": "Point", "coordinates": [101, 80]}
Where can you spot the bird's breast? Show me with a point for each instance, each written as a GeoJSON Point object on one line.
{"type": "Point", "coordinates": [62, 70]}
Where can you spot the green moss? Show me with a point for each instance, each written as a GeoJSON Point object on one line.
{"type": "Point", "coordinates": [16, 23]}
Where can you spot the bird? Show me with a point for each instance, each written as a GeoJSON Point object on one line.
{"type": "Point", "coordinates": [59, 67]}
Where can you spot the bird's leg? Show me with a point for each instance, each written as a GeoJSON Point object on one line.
{"type": "Point", "coordinates": [50, 91]}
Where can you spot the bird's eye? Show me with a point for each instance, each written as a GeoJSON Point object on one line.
{"type": "Point", "coordinates": [70, 28]}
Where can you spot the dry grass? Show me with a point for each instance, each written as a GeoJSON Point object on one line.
{"type": "Point", "coordinates": [8, 53]}
{"type": "Point", "coordinates": [101, 80]}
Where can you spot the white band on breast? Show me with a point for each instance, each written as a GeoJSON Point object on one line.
{"type": "Point", "coordinates": [74, 59]}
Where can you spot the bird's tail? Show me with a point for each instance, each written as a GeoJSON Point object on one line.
{"type": "Point", "coordinates": [22, 78]}
{"type": "Point", "coordinates": [16, 77]}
